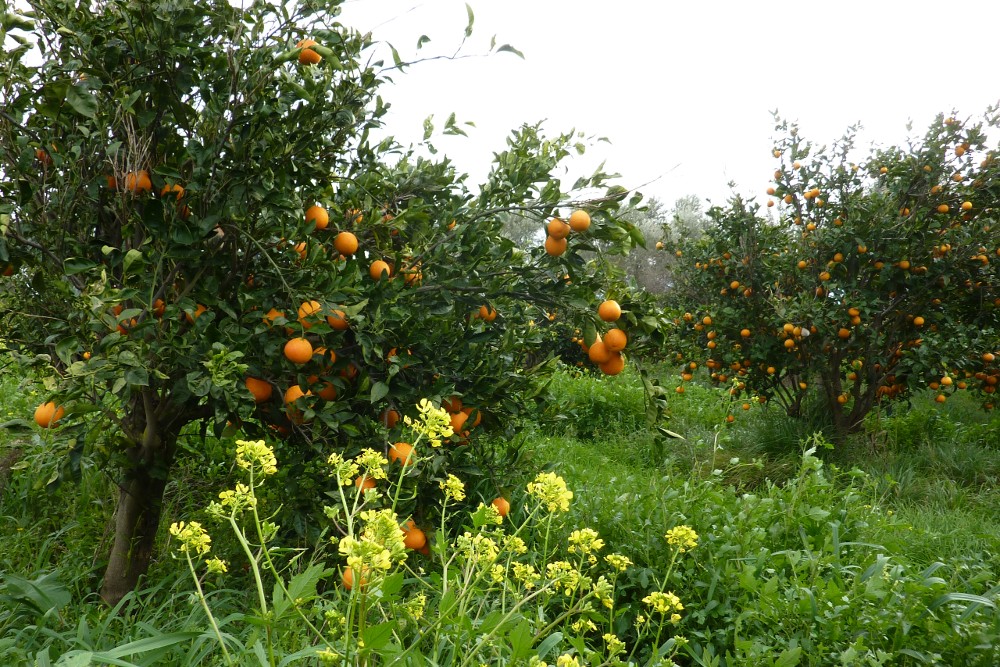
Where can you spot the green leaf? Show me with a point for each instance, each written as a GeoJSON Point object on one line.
{"type": "Point", "coordinates": [377, 636]}
{"type": "Point", "coordinates": [789, 657]}
{"type": "Point", "coordinates": [379, 391]}
{"type": "Point", "coordinates": [510, 49]}
{"type": "Point", "coordinates": [75, 265]}
{"type": "Point", "coordinates": [131, 257]}
{"type": "Point", "coordinates": [82, 101]}
{"type": "Point", "coordinates": [472, 19]}
{"type": "Point", "coordinates": [549, 643]}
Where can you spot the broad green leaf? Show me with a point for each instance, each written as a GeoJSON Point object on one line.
{"type": "Point", "coordinates": [82, 101]}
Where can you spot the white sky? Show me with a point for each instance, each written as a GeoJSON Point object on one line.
{"type": "Point", "coordinates": [684, 90]}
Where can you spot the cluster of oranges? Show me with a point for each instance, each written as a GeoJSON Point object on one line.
{"type": "Point", "coordinates": [557, 231]}
{"type": "Point", "coordinates": [606, 350]}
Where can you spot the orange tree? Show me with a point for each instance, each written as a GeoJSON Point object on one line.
{"type": "Point", "coordinates": [201, 230]}
{"type": "Point", "coordinates": [865, 282]}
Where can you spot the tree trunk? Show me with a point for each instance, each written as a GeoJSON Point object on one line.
{"type": "Point", "coordinates": [136, 522]}
{"type": "Point", "coordinates": [140, 500]}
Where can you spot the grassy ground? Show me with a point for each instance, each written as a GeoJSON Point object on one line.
{"type": "Point", "coordinates": [928, 495]}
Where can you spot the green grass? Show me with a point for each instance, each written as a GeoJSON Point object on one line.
{"type": "Point", "coordinates": [928, 495]}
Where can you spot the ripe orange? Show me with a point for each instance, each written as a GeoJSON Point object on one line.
{"type": "Point", "coordinates": [615, 340]}
{"type": "Point", "coordinates": [390, 418]}
{"type": "Point", "coordinates": [378, 268]}
{"type": "Point", "coordinates": [989, 357]}
{"type": "Point", "coordinates": [402, 452]}
{"type": "Point", "coordinates": [614, 365]}
{"type": "Point", "coordinates": [468, 411]}
{"type": "Point", "coordinates": [940, 398]}
{"type": "Point", "coordinates": [707, 321]}
{"type": "Point", "coordinates": [302, 249]}
{"type": "Point", "coordinates": [306, 312]}
{"type": "Point", "coordinates": [802, 264]}
{"type": "Point", "coordinates": [487, 314]}
{"type": "Point", "coordinates": [745, 333]}
{"type": "Point", "coordinates": [789, 343]}
{"type": "Point", "coordinates": [413, 537]}
{"type": "Point", "coordinates": [191, 317]}
{"type": "Point", "coordinates": [918, 321]}
{"type": "Point", "coordinates": [943, 208]}
{"type": "Point", "coordinates": [167, 189]}
{"type": "Point", "coordinates": [501, 503]}
{"type": "Point", "coordinates": [364, 483]}
{"type": "Point", "coordinates": [452, 405]}
{"type": "Point", "coordinates": [316, 213]}
{"type": "Point", "coordinates": [609, 311]}
{"type": "Point", "coordinates": [48, 414]}
{"type": "Point", "coordinates": [844, 333]}
{"type": "Point", "coordinates": [458, 420]}
{"type": "Point", "coordinates": [298, 350]}
{"type": "Point", "coordinates": [554, 246]}
{"type": "Point", "coordinates": [557, 229]}
{"type": "Point", "coordinates": [579, 221]}
{"type": "Point", "coordinates": [598, 352]}
{"type": "Point", "coordinates": [354, 216]}
{"type": "Point", "coordinates": [307, 56]}
{"type": "Point", "coordinates": [261, 389]}
{"type": "Point", "coordinates": [842, 399]}
{"type": "Point", "coordinates": [346, 243]}
{"type": "Point", "coordinates": [338, 320]}
{"type": "Point", "coordinates": [138, 182]}
{"type": "Point", "coordinates": [159, 307]}
{"type": "Point", "coordinates": [348, 579]}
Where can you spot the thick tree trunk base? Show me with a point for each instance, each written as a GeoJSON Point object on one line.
{"type": "Point", "coordinates": [137, 520]}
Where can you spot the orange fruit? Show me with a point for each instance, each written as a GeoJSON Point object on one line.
{"type": "Point", "coordinates": [159, 307]}
{"type": "Point", "coordinates": [402, 450]}
{"type": "Point", "coordinates": [452, 405]}
{"type": "Point", "coordinates": [378, 268]}
{"type": "Point", "coordinates": [261, 389]}
{"type": "Point", "coordinates": [615, 340]}
{"type": "Point", "coordinates": [579, 221]}
{"type": "Point", "coordinates": [614, 365]}
{"type": "Point", "coordinates": [318, 215]}
{"type": "Point", "coordinates": [338, 320]}
{"type": "Point", "coordinates": [599, 352]}
{"type": "Point", "coordinates": [918, 321]}
{"type": "Point", "coordinates": [298, 350]}
{"type": "Point", "coordinates": [609, 311]}
{"type": "Point", "coordinates": [943, 208]}
{"type": "Point", "coordinates": [167, 189]}
{"type": "Point", "coordinates": [306, 312]}
{"type": "Point", "coordinates": [487, 314]}
{"type": "Point", "coordinates": [940, 398]}
{"type": "Point", "coordinates": [413, 537]}
{"type": "Point", "coordinates": [501, 503]}
{"type": "Point", "coordinates": [191, 317]}
{"type": "Point", "coordinates": [138, 182]}
{"type": "Point", "coordinates": [988, 357]}
{"type": "Point", "coordinates": [348, 579]}
{"type": "Point", "coordinates": [364, 483]}
{"type": "Point", "coordinates": [390, 418]}
{"type": "Point", "coordinates": [328, 392]}
{"type": "Point", "coordinates": [458, 420]}
{"type": "Point", "coordinates": [302, 249]}
{"type": "Point", "coordinates": [558, 229]}
{"type": "Point", "coordinates": [346, 243]}
{"type": "Point", "coordinates": [307, 56]}
{"type": "Point", "coordinates": [707, 321]}
{"type": "Point", "coordinates": [86, 355]}
{"type": "Point", "coordinates": [789, 343]}
{"type": "Point", "coordinates": [479, 416]}
{"type": "Point", "coordinates": [745, 333]}
{"type": "Point", "coordinates": [554, 246]}
{"type": "Point", "coordinates": [48, 414]}
{"type": "Point", "coordinates": [844, 333]}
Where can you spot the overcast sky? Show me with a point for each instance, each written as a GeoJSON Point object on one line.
{"type": "Point", "coordinates": [684, 90]}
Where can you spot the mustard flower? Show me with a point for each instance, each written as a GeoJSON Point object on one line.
{"type": "Point", "coordinates": [682, 538]}
{"type": "Point", "coordinates": [526, 574]}
{"type": "Point", "coordinates": [478, 548]}
{"type": "Point", "coordinates": [373, 463]}
{"type": "Point", "coordinates": [238, 499]}
{"type": "Point", "coordinates": [344, 470]}
{"type": "Point", "coordinates": [663, 603]}
{"type": "Point", "coordinates": [454, 488]}
{"type": "Point", "coordinates": [585, 541]}
{"type": "Point", "coordinates": [516, 545]}
{"type": "Point", "coordinates": [565, 576]}
{"type": "Point", "coordinates": [255, 452]}
{"type": "Point", "coordinates": [582, 625]}
{"type": "Point", "coordinates": [416, 605]}
{"type": "Point", "coordinates": [432, 423]}
{"type": "Point", "coordinates": [617, 561]}
{"type": "Point", "coordinates": [192, 537]}
{"type": "Point", "coordinates": [603, 590]}
{"type": "Point", "coordinates": [614, 644]}
{"type": "Point", "coordinates": [551, 490]}
{"type": "Point", "coordinates": [567, 660]}
{"type": "Point", "coordinates": [216, 566]}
